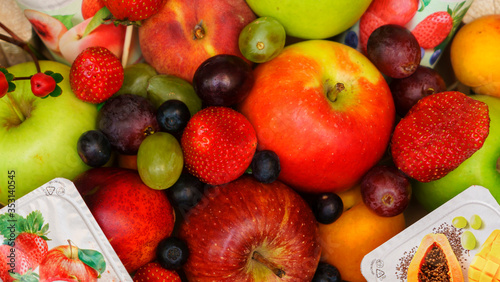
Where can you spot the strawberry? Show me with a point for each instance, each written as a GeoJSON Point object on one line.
{"type": "Point", "coordinates": [19, 259]}
{"type": "Point", "coordinates": [367, 24]}
{"type": "Point", "coordinates": [433, 29]}
{"type": "Point", "coordinates": [153, 271]}
{"type": "Point", "coordinates": [133, 10]}
{"type": "Point", "coordinates": [29, 236]}
{"type": "Point", "coordinates": [95, 75]}
{"type": "Point", "coordinates": [218, 145]}
{"type": "Point", "coordinates": [439, 133]}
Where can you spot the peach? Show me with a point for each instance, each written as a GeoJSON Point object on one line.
{"type": "Point", "coordinates": [475, 56]}
{"type": "Point", "coordinates": [183, 34]}
{"type": "Point", "coordinates": [357, 232]}
{"type": "Point", "coordinates": [49, 29]}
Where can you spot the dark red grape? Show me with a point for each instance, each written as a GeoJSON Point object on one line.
{"type": "Point", "coordinates": [394, 50]}
{"type": "Point", "coordinates": [265, 166]}
{"type": "Point", "coordinates": [407, 91]}
{"type": "Point", "coordinates": [173, 116]}
{"type": "Point", "coordinates": [94, 148]}
{"type": "Point", "coordinates": [172, 253]}
{"type": "Point", "coordinates": [127, 120]}
{"type": "Point", "coordinates": [223, 80]}
{"type": "Point", "coordinates": [327, 207]}
{"type": "Point", "coordinates": [326, 273]}
{"type": "Point", "coordinates": [386, 190]}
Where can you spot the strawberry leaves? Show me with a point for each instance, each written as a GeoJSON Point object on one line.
{"type": "Point", "coordinates": [13, 224]}
{"type": "Point", "coordinates": [439, 133]}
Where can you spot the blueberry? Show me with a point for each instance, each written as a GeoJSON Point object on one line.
{"type": "Point", "coordinates": [172, 253]}
{"type": "Point", "coordinates": [422, 52]}
{"type": "Point", "coordinates": [351, 39]}
{"type": "Point", "coordinates": [94, 148]}
{"type": "Point", "coordinates": [186, 192]}
{"type": "Point", "coordinates": [435, 56]}
{"type": "Point", "coordinates": [326, 273]}
{"type": "Point", "coordinates": [327, 207]}
{"type": "Point", "coordinates": [173, 116]}
{"type": "Point", "coordinates": [265, 166]}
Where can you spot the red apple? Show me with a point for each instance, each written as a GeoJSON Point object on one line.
{"type": "Point", "coordinates": [250, 231]}
{"type": "Point", "coordinates": [327, 112]}
{"type": "Point", "coordinates": [62, 263]}
{"type": "Point", "coordinates": [134, 217]}
{"type": "Point", "coordinates": [183, 34]}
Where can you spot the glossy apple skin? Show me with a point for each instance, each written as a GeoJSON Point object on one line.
{"type": "Point", "coordinates": [167, 39]}
{"type": "Point", "coordinates": [42, 147]}
{"type": "Point", "coordinates": [134, 217]}
{"type": "Point", "coordinates": [244, 216]}
{"type": "Point", "coordinates": [62, 262]}
{"type": "Point", "coordinates": [324, 145]}
{"type": "Point", "coordinates": [312, 19]}
{"type": "Point", "coordinates": [482, 168]}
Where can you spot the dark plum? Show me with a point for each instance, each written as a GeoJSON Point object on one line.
{"type": "Point", "coordinates": [326, 273]}
{"type": "Point", "coordinates": [394, 50]}
{"type": "Point", "coordinates": [172, 253]}
{"type": "Point", "coordinates": [127, 120]}
{"type": "Point", "coordinates": [407, 91]}
{"type": "Point", "coordinates": [173, 116]}
{"type": "Point", "coordinates": [327, 207]}
{"type": "Point", "coordinates": [94, 148]}
{"type": "Point", "coordinates": [265, 166]}
{"type": "Point", "coordinates": [385, 190]}
{"type": "Point", "coordinates": [223, 80]}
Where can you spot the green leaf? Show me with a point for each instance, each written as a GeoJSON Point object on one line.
{"type": "Point", "coordinates": [93, 259]}
{"type": "Point", "coordinates": [57, 77]}
{"type": "Point", "coordinates": [423, 4]}
{"type": "Point", "coordinates": [10, 226]}
{"type": "Point", "coordinates": [12, 87]}
{"type": "Point", "coordinates": [57, 91]}
{"type": "Point", "coordinates": [99, 18]}
{"type": "Point", "coordinates": [66, 20]}
{"type": "Point", "coordinates": [49, 72]}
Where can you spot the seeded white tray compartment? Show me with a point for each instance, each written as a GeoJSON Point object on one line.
{"type": "Point", "coordinates": [69, 218]}
{"type": "Point", "coordinates": [390, 260]}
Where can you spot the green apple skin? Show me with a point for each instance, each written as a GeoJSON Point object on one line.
{"type": "Point", "coordinates": [44, 145]}
{"type": "Point", "coordinates": [479, 169]}
{"type": "Point", "coordinates": [312, 19]}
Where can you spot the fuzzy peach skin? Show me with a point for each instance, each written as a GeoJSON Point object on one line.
{"type": "Point", "coordinates": [475, 55]}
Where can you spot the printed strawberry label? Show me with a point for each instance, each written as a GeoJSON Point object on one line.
{"type": "Point", "coordinates": [432, 22]}
{"type": "Point", "coordinates": [50, 235]}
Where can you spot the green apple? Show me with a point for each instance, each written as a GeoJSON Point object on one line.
{"type": "Point", "coordinates": [38, 137]}
{"type": "Point", "coordinates": [482, 168]}
{"type": "Point", "coordinates": [312, 19]}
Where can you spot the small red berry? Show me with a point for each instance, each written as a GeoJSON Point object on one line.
{"type": "Point", "coordinates": [42, 84]}
{"type": "Point", "coordinates": [4, 85]}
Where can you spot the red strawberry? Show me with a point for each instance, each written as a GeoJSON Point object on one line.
{"type": "Point", "coordinates": [34, 246]}
{"type": "Point", "coordinates": [90, 7]}
{"type": "Point", "coordinates": [439, 133]}
{"type": "Point", "coordinates": [95, 75]}
{"type": "Point", "coordinates": [133, 10]}
{"type": "Point", "coordinates": [218, 145]}
{"type": "Point", "coordinates": [17, 258]}
{"type": "Point", "coordinates": [154, 272]}
{"type": "Point", "coordinates": [367, 24]}
{"type": "Point", "coordinates": [433, 29]}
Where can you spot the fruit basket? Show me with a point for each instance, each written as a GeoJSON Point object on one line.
{"type": "Point", "coordinates": [231, 139]}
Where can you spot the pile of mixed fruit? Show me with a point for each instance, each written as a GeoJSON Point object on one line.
{"type": "Point", "coordinates": [277, 149]}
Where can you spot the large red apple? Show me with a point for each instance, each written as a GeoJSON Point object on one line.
{"type": "Point", "coordinates": [327, 112]}
{"type": "Point", "coordinates": [134, 217]}
{"type": "Point", "coordinates": [183, 34]}
{"type": "Point", "coordinates": [62, 262]}
{"type": "Point", "coordinates": [249, 231]}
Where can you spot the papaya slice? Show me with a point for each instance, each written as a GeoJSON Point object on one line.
{"type": "Point", "coordinates": [485, 266]}
{"type": "Point", "coordinates": [435, 260]}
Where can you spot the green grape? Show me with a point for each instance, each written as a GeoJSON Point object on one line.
{"type": "Point", "coordinates": [135, 79]}
{"type": "Point", "coordinates": [475, 222]}
{"type": "Point", "coordinates": [262, 39]}
{"type": "Point", "coordinates": [459, 222]}
{"type": "Point", "coordinates": [468, 240]}
{"type": "Point", "coordinates": [160, 160]}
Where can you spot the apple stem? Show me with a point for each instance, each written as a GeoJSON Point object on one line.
{"type": "Point", "coordinates": [15, 108]}
{"type": "Point", "coordinates": [199, 32]}
{"type": "Point", "coordinates": [16, 40]}
{"type": "Point", "coordinates": [332, 93]}
{"type": "Point", "coordinates": [272, 266]}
